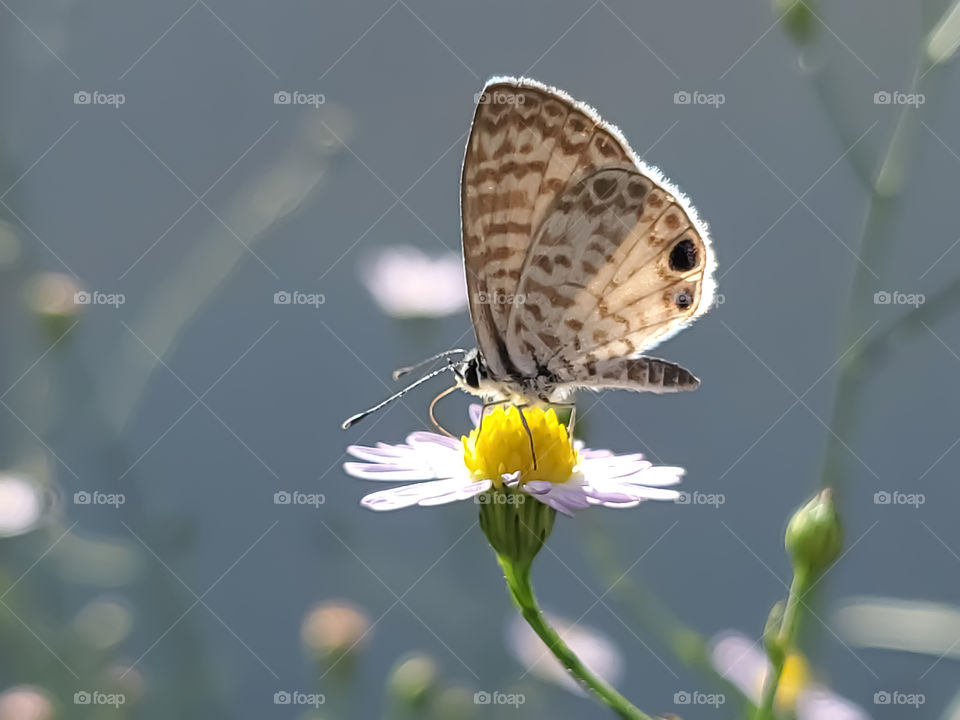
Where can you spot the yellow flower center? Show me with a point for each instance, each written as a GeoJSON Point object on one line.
{"type": "Point", "coordinates": [793, 680]}
{"type": "Point", "coordinates": [502, 445]}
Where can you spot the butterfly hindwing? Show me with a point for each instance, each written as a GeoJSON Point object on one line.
{"type": "Point", "coordinates": [616, 266]}
{"type": "Point", "coordinates": [643, 373]}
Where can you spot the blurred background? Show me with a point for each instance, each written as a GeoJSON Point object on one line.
{"type": "Point", "coordinates": [172, 173]}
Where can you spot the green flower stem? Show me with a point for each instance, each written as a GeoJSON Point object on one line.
{"type": "Point", "coordinates": [517, 576]}
{"type": "Point", "coordinates": [785, 642]}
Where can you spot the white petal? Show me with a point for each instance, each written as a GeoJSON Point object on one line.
{"type": "Point", "coordinates": [422, 440]}
{"type": "Point", "coordinates": [475, 410]}
{"type": "Point", "coordinates": [820, 703]}
{"type": "Point", "coordinates": [657, 476]}
{"type": "Point", "coordinates": [463, 493]}
{"type": "Point", "coordinates": [384, 472]}
{"type": "Point", "coordinates": [408, 495]}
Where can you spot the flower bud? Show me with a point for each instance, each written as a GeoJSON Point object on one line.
{"type": "Point", "coordinates": [771, 634]}
{"type": "Point", "coordinates": [814, 537]}
{"type": "Point", "coordinates": [798, 19]}
{"type": "Point", "coordinates": [333, 629]}
{"type": "Point", "coordinates": [413, 680]}
{"type": "Point", "coordinates": [516, 524]}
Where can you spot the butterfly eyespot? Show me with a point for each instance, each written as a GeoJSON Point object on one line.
{"type": "Point", "coordinates": [604, 187]}
{"type": "Point", "coordinates": [683, 299]}
{"type": "Point", "coordinates": [636, 190]}
{"type": "Point", "coordinates": [683, 256]}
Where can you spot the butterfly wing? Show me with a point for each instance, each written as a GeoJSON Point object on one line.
{"type": "Point", "coordinates": [619, 264]}
{"type": "Point", "coordinates": [526, 143]}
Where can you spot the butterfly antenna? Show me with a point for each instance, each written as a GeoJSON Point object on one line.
{"type": "Point", "coordinates": [397, 374]}
{"type": "Point", "coordinates": [360, 416]}
{"type": "Point", "coordinates": [433, 418]}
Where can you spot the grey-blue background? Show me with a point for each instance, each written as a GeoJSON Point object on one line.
{"type": "Point", "coordinates": [297, 199]}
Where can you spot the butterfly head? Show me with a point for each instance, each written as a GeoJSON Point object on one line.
{"type": "Point", "coordinates": [471, 372]}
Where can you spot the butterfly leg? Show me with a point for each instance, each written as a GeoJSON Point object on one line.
{"type": "Point", "coordinates": [526, 427]}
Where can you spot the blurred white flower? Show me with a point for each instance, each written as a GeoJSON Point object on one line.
{"type": "Point", "coordinates": [744, 663]}
{"type": "Point", "coordinates": [407, 283]}
{"type": "Point", "coordinates": [25, 702]}
{"type": "Point", "coordinates": [22, 504]}
{"type": "Point", "coordinates": [594, 649]}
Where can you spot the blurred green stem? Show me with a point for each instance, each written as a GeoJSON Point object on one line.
{"type": "Point", "coordinates": [874, 240]}
{"type": "Point", "coordinates": [517, 576]}
{"type": "Point", "coordinates": [785, 642]}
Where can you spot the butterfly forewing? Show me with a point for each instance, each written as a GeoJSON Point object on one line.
{"type": "Point", "coordinates": [526, 144]}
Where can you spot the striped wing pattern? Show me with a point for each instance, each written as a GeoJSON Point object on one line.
{"type": "Point", "coordinates": [578, 256]}
{"type": "Point", "coordinates": [525, 145]}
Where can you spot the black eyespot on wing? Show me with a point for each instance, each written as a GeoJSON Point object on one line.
{"type": "Point", "coordinates": [683, 256]}
{"type": "Point", "coordinates": [683, 299]}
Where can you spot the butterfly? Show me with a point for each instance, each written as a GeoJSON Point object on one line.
{"type": "Point", "coordinates": [579, 257]}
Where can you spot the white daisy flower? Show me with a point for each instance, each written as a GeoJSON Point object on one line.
{"type": "Point", "coordinates": [597, 651]}
{"type": "Point", "coordinates": [742, 661]}
{"type": "Point", "coordinates": [406, 283]}
{"type": "Point", "coordinates": [567, 476]}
